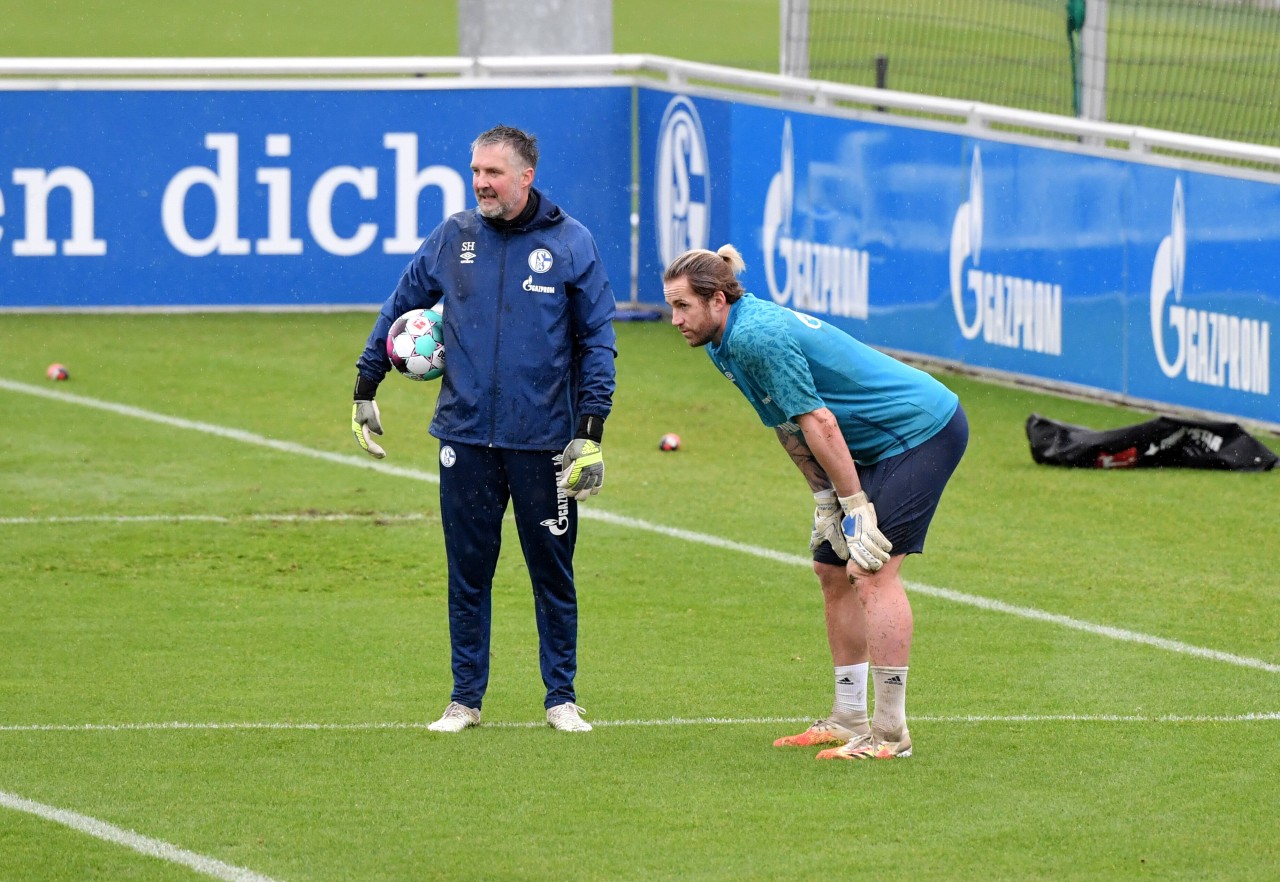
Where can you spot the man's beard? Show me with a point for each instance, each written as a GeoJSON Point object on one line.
{"type": "Point", "coordinates": [498, 210]}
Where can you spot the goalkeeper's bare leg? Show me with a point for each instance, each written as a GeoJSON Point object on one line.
{"type": "Point", "coordinates": [889, 628]}
{"type": "Point", "coordinates": [847, 639]}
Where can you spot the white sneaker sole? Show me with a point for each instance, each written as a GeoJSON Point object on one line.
{"type": "Point", "coordinates": [450, 729]}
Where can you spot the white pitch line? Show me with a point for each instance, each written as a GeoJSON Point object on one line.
{"type": "Point", "coordinates": [1267, 716]}
{"type": "Point", "coordinates": [206, 866]}
{"type": "Point", "coordinates": [587, 512]}
{"type": "Point", "coordinates": [364, 462]}
{"type": "Point", "coordinates": [208, 519]}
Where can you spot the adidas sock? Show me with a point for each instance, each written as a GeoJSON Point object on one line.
{"type": "Point", "coordinates": [851, 692]}
{"type": "Point", "coordinates": [890, 685]}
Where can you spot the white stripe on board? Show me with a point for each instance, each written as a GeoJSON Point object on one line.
{"type": "Point", "coordinates": [206, 866]}
{"type": "Point", "coordinates": [586, 511]}
{"type": "Point", "coordinates": [1260, 717]}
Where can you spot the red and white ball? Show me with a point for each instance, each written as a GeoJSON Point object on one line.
{"type": "Point", "coordinates": [56, 372]}
{"type": "Point", "coordinates": [415, 344]}
{"type": "Point", "coordinates": [669, 441]}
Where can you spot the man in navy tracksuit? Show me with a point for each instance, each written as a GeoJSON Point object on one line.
{"type": "Point", "coordinates": [529, 379]}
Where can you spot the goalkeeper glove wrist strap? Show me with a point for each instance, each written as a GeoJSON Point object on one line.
{"type": "Point", "coordinates": [857, 499]}
{"type": "Point", "coordinates": [590, 427]}
{"type": "Point", "coordinates": [365, 388]}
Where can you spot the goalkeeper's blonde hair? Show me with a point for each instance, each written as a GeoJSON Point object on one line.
{"type": "Point", "coordinates": [709, 271]}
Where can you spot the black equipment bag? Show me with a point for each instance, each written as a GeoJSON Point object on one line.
{"type": "Point", "coordinates": [1167, 442]}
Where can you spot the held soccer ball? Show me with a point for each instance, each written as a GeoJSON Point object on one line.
{"type": "Point", "coordinates": [415, 344]}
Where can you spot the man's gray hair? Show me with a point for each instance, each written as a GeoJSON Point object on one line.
{"type": "Point", "coordinates": [522, 144]}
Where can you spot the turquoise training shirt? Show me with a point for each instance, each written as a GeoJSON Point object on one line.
{"type": "Point", "coordinates": [788, 363]}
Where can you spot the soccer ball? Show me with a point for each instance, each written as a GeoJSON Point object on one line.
{"type": "Point", "coordinates": [670, 441]}
{"type": "Point", "coordinates": [415, 344]}
{"type": "Point", "coordinates": [57, 372]}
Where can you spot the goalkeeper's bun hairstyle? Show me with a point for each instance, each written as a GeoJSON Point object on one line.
{"type": "Point", "coordinates": [709, 271]}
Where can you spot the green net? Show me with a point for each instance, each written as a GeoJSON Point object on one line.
{"type": "Point", "coordinates": [1200, 67]}
{"type": "Point", "coordinates": [1204, 67]}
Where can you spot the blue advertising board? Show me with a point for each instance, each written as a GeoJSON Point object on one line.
{"type": "Point", "coordinates": [274, 196]}
{"type": "Point", "coordinates": [1076, 267]}
{"type": "Point", "coordinates": [1155, 283]}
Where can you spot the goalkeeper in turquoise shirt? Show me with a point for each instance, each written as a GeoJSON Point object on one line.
{"type": "Point", "coordinates": [877, 441]}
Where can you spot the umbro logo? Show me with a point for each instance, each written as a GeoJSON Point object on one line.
{"type": "Point", "coordinates": [468, 255]}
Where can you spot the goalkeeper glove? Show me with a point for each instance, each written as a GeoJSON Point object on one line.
{"type": "Point", "coordinates": [582, 463]}
{"type": "Point", "coordinates": [826, 524]}
{"type": "Point", "coordinates": [365, 417]}
{"type": "Point", "coordinates": [868, 547]}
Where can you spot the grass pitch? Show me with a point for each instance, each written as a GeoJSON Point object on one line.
{"type": "Point", "coordinates": [224, 629]}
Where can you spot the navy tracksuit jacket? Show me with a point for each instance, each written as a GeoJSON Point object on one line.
{"type": "Point", "coordinates": [529, 348]}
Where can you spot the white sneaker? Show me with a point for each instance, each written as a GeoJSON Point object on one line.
{"type": "Point", "coordinates": [455, 718]}
{"type": "Point", "coordinates": [565, 717]}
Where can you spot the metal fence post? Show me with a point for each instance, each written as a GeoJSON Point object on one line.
{"type": "Point", "coordinates": [793, 53]}
{"type": "Point", "coordinates": [1093, 73]}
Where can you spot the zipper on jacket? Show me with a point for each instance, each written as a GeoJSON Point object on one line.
{"type": "Point", "coordinates": [495, 379]}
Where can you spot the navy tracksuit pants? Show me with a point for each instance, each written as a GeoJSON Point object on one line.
{"type": "Point", "coordinates": [476, 484]}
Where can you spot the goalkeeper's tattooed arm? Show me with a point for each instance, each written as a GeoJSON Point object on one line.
{"type": "Point", "coordinates": [825, 443]}
{"type": "Point", "coordinates": [827, 513]}
{"type": "Point", "coordinates": [804, 459]}
{"type": "Point", "coordinates": [867, 547]}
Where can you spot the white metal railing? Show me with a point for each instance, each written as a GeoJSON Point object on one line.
{"type": "Point", "coordinates": [639, 69]}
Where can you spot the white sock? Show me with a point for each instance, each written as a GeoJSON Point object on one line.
{"type": "Point", "coordinates": [851, 690]}
{"type": "Point", "coordinates": [891, 698]}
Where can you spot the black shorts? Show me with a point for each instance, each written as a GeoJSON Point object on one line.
{"type": "Point", "coordinates": [906, 488]}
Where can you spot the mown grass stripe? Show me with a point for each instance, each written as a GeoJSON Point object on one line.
{"type": "Point", "coordinates": [589, 512]}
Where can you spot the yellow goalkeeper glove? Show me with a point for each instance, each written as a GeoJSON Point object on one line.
{"type": "Point", "coordinates": [581, 468]}
{"type": "Point", "coordinates": [365, 419]}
